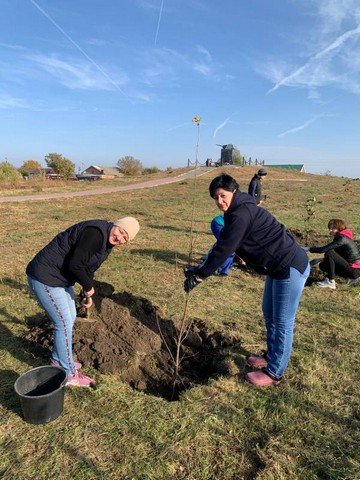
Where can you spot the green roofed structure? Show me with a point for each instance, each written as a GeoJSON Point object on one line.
{"type": "Point", "coordinates": [299, 167]}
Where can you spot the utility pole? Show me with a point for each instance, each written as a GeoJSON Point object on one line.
{"type": "Point", "coordinates": [196, 120]}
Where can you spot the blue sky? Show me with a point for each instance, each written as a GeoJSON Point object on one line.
{"type": "Point", "coordinates": [99, 79]}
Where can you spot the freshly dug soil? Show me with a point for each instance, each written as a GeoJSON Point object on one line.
{"type": "Point", "coordinates": [312, 238]}
{"type": "Point", "coordinates": [126, 335]}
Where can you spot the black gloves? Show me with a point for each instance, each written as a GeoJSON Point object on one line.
{"type": "Point", "coordinates": [190, 270]}
{"type": "Point", "coordinates": [191, 278]}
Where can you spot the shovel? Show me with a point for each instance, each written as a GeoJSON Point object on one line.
{"type": "Point", "coordinates": [82, 310]}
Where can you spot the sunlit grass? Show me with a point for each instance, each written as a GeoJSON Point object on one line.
{"type": "Point", "coordinates": [307, 428]}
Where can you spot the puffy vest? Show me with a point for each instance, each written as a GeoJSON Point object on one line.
{"type": "Point", "coordinates": [50, 265]}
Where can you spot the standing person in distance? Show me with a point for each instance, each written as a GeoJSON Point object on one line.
{"type": "Point", "coordinates": [257, 237]}
{"type": "Point", "coordinates": [72, 257]}
{"type": "Point", "coordinates": [255, 186]}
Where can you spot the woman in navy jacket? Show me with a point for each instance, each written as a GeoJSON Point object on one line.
{"type": "Point", "coordinates": [257, 237]}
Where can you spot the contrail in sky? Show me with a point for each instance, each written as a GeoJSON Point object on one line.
{"type": "Point", "coordinates": [159, 20]}
{"type": "Point", "coordinates": [335, 44]}
{"type": "Point", "coordinates": [219, 127]}
{"type": "Point", "coordinates": [78, 47]}
{"type": "Point", "coordinates": [177, 126]}
{"type": "Point", "coordinates": [301, 127]}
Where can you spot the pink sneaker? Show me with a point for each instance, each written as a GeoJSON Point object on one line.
{"type": "Point", "coordinates": [256, 361]}
{"type": "Point", "coordinates": [79, 380]}
{"type": "Point", "coordinates": [261, 379]}
{"type": "Point", "coordinates": [78, 365]}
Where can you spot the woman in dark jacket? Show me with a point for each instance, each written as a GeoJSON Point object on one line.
{"type": "Point", "coordinates": [257, 237]}
{"type": "Point", "coordinates": [342, 256]}
{"type": "Point", "coordinates": [73, 256]}
{"type": "Point", "coordinates": [255, 186]}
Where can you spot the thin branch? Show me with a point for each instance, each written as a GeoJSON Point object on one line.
{"type": "Point", "coordinates": [163, 338]}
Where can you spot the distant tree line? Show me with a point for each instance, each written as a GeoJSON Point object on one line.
{"type": "Point", "coordinates": [64, 168]}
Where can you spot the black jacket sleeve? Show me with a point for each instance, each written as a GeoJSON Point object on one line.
{"type": "Point", "coordinates": [337, 242]}
{"type": "Point", "coordinates": [230, 239]}
{"type": "Point", "coordinates": [89, 243]}
{"type": "Point", "coordinates": [252, 188]}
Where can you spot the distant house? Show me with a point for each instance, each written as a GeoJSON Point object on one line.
{"type": "Point", "coordinates": [50, 173]}
{"type": "Point", "coordinates": [299, 167]}
{"type": "Point", "coordinates": [32, 173]}
{"type": "Point", "coordinates": [102, 172]}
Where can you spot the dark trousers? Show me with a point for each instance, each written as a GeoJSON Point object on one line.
{"type": "Point", "coordinates": [334, 264]}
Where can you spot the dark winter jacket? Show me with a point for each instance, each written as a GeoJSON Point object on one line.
{"type": "Point", "coordinates": [258, 238]}
{"type": "Point", "coordinates": [255, 188]}
{"type": "Point", "coordinates": [52, 265]}
{"type": "Point", "coordinates": [344, 245]}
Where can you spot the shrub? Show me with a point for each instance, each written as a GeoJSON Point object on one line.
{"type": "Point", "coordinates": [150, 170]}
{"type": "Point", "coordinates": [129, 166]}
{"type": "Point", "coordinates": [8, 173]}
{"type": "Point", "coordinates": [30, 165]}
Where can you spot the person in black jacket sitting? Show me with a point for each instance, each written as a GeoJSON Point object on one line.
{"type": "Point", "coordinates": [263, 242]}
{"type": "Point", "coordinates": [255, 186]}
{"type": "Point", "coordinates": [73, 256]}
{"type": "Point", "coordinates": [342, 256]}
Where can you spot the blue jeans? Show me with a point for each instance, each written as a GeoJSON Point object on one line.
{"type": "Point", "coordinates": [216, 229]}
{"type": "Point", "coordinates": [280, 303]}
{"type": "Point", "coordinates": [59, 305]}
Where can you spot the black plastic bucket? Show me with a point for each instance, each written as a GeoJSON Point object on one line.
{"type": "Point", "coordinates": [41, 391]}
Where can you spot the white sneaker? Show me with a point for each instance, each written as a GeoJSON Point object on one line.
{"type": "Point", "coordinates": [326, 283]}
{"type": "Point", "coordinates": [353, 281]}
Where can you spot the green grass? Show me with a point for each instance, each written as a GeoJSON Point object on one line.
{"type": "Point", "coordinates": [306, 428]}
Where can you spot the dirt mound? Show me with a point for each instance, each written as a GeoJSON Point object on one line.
{"type": "Point", "coordinates": [305, 238]}
{"type": "Point", "coordinates": [127, 336]}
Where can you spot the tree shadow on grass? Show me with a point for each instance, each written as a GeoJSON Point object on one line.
{"type": "Point", "coordinates": [169, 256]}
{"type": "Point", "coordinates": [8, 397]}
{"type": "Point", "coordinates": [22, 350]}
{"type": "Point", "coordinates": [80, 463]}
{"type": "Point", "coordinates": [85, 463]}
{"type": "Point", "coordinates": [171, 228]}
{"type": "Point", "coordinates": [18, 347]}
{"type": "Point", "coordinates": [10, 282]}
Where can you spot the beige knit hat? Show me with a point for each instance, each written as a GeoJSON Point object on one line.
{"type": "Point", "coordinates": [130, 225]}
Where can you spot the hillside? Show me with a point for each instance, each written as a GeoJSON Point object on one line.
{"type": "Point", "coordinates": [306, 428]}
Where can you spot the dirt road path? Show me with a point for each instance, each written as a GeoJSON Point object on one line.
{"type": "Point", "coordinates": [104, 191]}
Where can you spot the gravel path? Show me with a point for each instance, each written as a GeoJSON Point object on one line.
{"type": "Point", "coordinates": [104, 191]}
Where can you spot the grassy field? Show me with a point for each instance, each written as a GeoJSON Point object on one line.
{"type": "Point", "coordinates": [307, 428]}
{"type": "Point", "coordinates": [36, 185]}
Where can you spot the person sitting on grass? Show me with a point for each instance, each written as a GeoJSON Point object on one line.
{"type": "Point", "coordinates": [73, 256]}
{"type": "Point", "coordinates": [342, 256]}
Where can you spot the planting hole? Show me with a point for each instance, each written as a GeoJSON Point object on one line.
{"type": "Point", "coordinates": [123, 337]}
